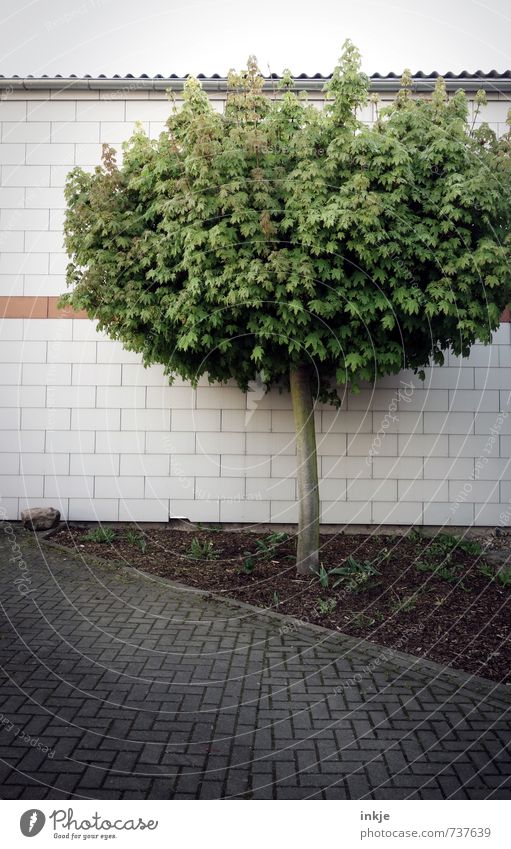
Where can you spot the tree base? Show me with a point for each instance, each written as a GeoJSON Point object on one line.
{"type": "Point", "coordinates": [308, 564]}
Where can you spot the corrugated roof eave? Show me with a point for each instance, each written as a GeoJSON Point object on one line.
{"type": "Point", "coordinates": [490, 80]}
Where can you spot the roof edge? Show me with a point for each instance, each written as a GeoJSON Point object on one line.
{"type": "Point", "coordinates": [491, 82]}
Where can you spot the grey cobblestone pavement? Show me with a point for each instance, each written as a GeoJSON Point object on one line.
{"type": "Point", "coordinates": [143, 689]}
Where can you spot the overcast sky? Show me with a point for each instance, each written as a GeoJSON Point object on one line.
{"type": "Point", "coordinates": [166, 36]}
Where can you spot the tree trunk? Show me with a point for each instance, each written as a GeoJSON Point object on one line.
{"type": "Point", "coordinates": [307, 553]}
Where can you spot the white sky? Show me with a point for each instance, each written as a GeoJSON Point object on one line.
{"type": "Point", "coordinates": [166, 36]}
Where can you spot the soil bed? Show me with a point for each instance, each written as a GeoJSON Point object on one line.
{"type": "Point", "coordinates": [433, 597]}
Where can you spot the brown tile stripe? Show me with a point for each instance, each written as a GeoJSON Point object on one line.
{"type": "Point", "coordinates": [53, 312]}
{"type": "Point", "coordinates": [27, 306]}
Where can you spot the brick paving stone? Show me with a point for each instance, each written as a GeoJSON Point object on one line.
{"type": "Point", "coordinates": [145, 689]}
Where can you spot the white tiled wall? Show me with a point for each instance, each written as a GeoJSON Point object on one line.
{"type": "Point", "coordinates": [85, 428]}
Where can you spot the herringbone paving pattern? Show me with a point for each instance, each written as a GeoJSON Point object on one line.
{"type": "Point", "coordinates": [142, 689]}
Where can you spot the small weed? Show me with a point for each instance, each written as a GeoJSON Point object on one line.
{"type": "Point", "coordinates": [353, 575]}
{"type": "Point", "coordinates": [439, 571]}
{"type": "Point", "coordinates": [248, 564]}
{"type": "Point", "coordinates": [276, 599]}
{"type": "Point", "coordinates": [486, 570]}
{"type": "Point", "coordinates": [441, 548]}
{"type": "Point", "coordinates": [324, 577]}
{"type": "Point", "coordinates": [361, 620]}
{"type": "Point", "coordinates": [277, 538]}
{"type": "Point", "coordinates": [470, 546]}
{"type": "Point", "coordinates": [364, 581]}
{"type": "Point", "coordinates": [266, 547]}
{"type": "Point", "coordinates": [261, 547]}
{"type": "Point", "coordinates": [136, 539]}
{"type": "Point", "coordinates": [202, 550]}
{"type": "Point", "coordinates": [504, 576]}
{"type": "Point", "coordinates": [445, 572]}
{"type": "Point", "coordinates": [325, 605]}
{"type": "Point", "coordinates": [405, 604]}
{"type": "Point", "coordinates": [100, 535]}
{"type": "Point", "coordinates": [415, 536]}
{"type": "Point", "coordinates": [445, 545]}
{"type": "Point", "coordinates": [381, 557]}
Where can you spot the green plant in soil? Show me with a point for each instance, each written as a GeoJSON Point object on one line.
{"type": "Point", "coordinates": [277, 538]}
{"type": "Point", "coordinates": [266, 547]}
{"type": "Point", "coordinates": [450, 574]}
{"type": "Point", "coordinates": [504, 576]}
{"type": "Point", "coordinates": [323, 577]}
{"type": "Point", "coordinates": [415, 536]}
{"type": "Point", "coordinates": [325, 606]}
{"type": "Point", "coordinates": [354, 575]}
{"type": "Point", "coordinates": [360, 620]}
{"type": "Point", "coordinates": [442, 544]}
{"type": "Point", "coordinates": [439, 557]}
{"type": "Point", "coordinates": [101, 535]}
{"type": "Point", "coordinates": [354, 567]}
{"type": "Point", "coordinates": [470, 546]}
{"type": "Point", "coordinates": [202, 550]}
{"type": "Point", "coordinates": [501, 576]}
{"type": "Point", "coordinates": [445, 545]}
{"type": "Point", "coordinates": [135, 539]}
{"type": "Point", "coordinates": [405, 604]}
{"type": "Point", "coordinates": [486, 570]}
{"type": "Point", "coordinates": [249, 563]}
{"type": "Point", "coordinates": [360, 583]}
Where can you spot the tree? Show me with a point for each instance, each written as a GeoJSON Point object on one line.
{"type": "Point", "coordinates": [297, 244]}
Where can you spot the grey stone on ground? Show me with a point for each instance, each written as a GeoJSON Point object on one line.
{"type": "Point", "coordinates": [40, 518]}
{"type": "Point", "coordinates": [499, 558]}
